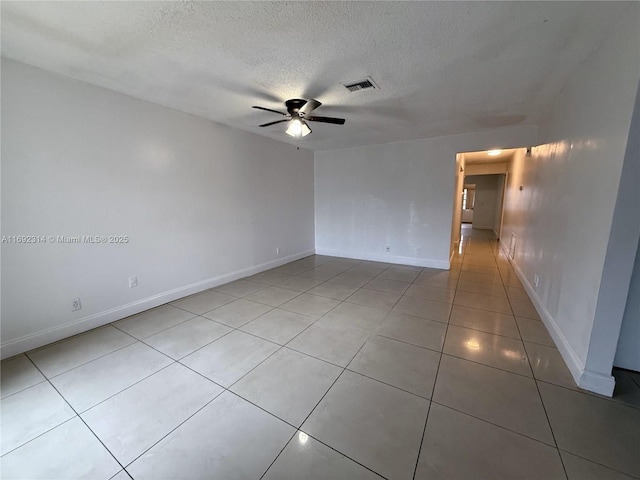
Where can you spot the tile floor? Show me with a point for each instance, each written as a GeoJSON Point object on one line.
{"type": "Point", "coordinates": [324, 368]}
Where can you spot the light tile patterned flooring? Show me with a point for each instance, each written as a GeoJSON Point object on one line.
{"type": "Point", "coordinates": [325, 368]}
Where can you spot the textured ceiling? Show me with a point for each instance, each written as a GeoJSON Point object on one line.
{"type": "Point", "coordinates": [443, 67]}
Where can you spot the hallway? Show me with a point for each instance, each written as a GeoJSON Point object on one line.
{"type": "Point", "coordinates": [322, 368]}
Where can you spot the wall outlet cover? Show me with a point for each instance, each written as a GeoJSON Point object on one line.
{"type": "Point", "coordinates": [76, 304]}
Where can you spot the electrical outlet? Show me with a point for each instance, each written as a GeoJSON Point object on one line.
{"type": "Point", "coordinates": [76, 304]}
{"type": "Point", "coordinates": [133, 282]}
{"type": "Point", "coordinates": [536, 280]}
{"type": "Point", "coordinates": [277, 250]}
{"type": "Point", "coordinates": [387, 248]}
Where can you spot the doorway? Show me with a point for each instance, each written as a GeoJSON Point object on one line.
{"type": "Point", "coordinates": [481, 183]}
{"type": "Point", "coordinates": [482, 202]}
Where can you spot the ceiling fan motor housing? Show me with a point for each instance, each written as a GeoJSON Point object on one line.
{"type": "Point", "coordinates": [294, 105]}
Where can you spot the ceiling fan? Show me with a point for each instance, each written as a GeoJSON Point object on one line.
{"type": "Point", "coordinates": [298, 115]}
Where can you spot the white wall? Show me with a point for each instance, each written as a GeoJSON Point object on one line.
{"type": "Point", "coordinates": [398, 195]}
{"type": "Point", "coordinates": [201, 204]}
{"type": "Point", "coordinates": [497, 215]}
{"type": "Point", "coordinates": [628, 348]}
{"type": "Point", "coordinates": [487, 197]}
{"type": "Point", "coordinates": [458, 213]}
{"type": "Point", "coordinates": [625, 232]}
{"type": "Point", "coordinates": [563, 215]}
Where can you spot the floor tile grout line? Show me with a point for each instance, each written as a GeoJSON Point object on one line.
{"type": "Point", "coordinates": [501, 427]}
{"type": "Point", "coordinates": [344, 369]}
{"type": "Point", "coordinates": [369, 333]}
{"type": "Point", "coordinates": [76, 415]}
{"type": "Point", "coordinates": [387, 384]}
{"type": "Point", "coordinates": [27, 354]}
{"type": "Point", "coordinates": [64, 399]}
{"type": "Point", "coordinates": [98, 358]}
{"type": "Point", "coordinates": [488, 366]}
{"type": "Point", "coordinates": [118, 392]}
{"type": "Point", "coordinates": [313, 356]}
{"type": "Point", "coordinates": [175, 428]}
{"type": "Point", "coordinates": [41, 434]}
{"type": "Point", "coordinates": [193, 313]}
{"type": "Point", "coordinates": [491, 333]}
{"type": "Point", "coordinates": [314, 316]}
{"type": "Point", "coordinates": [44, 379]}
{"type": "Point", "coordinates": [597, 463]}
{"type": "Point", "coordinates": [370, 280]}
{"type": "Point", "coordinates": [280, 347]}
{"type": "Point", "coordinates": [61, 341]}
{"type": "Point", "coordinates": [577, 389]}
{"type": "Point", "coordinates": [113, 324]}
{"type": "Point", "coordinates": [407, 343]}
{"type": "Point", "coordinates": [279, 453]}
{"type": "Point", "coordinates": [305, 419]}
{"type": "Point", "coordinates": [199, 348]}
{"type": "Point", "coordinates": [233, 329]}
{"type": "Point", "coordinates": [297, 427]}
{"type": "Point", "coordinates": [127, 387]}
{"type": "Point", "coordinates": [277, 306]}
{"type": "Point", "coordinates": [544, 408]}
{"type": "Point", "coordinates": [200, 374]}
{"type": "Point", "coordinates": [248, 333]}
{"type": "Point", "coordinates": [243, 279]}
{"type": "Point", "coordinates": [492, 311]}
{"type": "Point", "coordinates": [94, 359]}
{"type": "Point", "coordinates": [433, 389]}
{"type": "Point", "coordinates": [316, 321]}
{"type": "Point", "coordinates": [342, 454]}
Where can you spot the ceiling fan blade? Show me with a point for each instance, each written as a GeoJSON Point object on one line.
{"type": "Point", "coordinates": [309, 107]}
{"type": "Point", "coordinates": [337, 121]}
{"type": "Point", "coordinates": [269, 110]}
{"type": "Point", "coordinates": [273, 123]}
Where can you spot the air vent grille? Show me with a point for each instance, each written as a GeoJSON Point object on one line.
{"type": "Point", "coordinates": [363, 84]}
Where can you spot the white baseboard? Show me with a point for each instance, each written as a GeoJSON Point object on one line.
{"type": "Point", "coordinates": [385, 258]}
{"type": "Point", "coordinates": [597, 382]}
{"type": "Point", "coordinates": [591, 381]}
{"type": "Point", "coordinates": [45, 337]}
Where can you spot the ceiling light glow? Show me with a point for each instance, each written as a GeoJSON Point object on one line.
{"type": "Point", "coordinates": [298, 128]}
{"type": "Point", "coordinates": [295, 128]}
{"type": "Point", "coordinates": [494, 153]}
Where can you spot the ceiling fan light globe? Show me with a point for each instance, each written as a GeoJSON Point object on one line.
{"type": "Point", "coordinates": [295, 128]}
